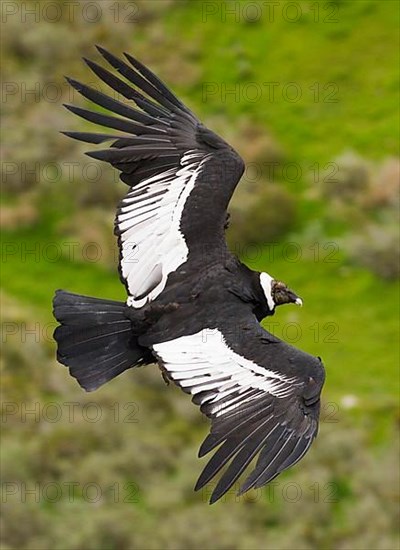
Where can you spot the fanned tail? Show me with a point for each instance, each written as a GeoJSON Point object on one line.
{"type": "Point", "coordinates": [95, 339]}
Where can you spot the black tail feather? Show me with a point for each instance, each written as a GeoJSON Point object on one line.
{"type": "Point", "coordinates": [95, 339]}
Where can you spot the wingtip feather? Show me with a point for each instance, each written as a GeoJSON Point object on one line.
{"type": "Point", "coordinates": [100, 49]}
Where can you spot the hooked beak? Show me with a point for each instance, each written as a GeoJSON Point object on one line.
{"type": "Point", "coordinates": [283, 295]}
{"type": "Point", "coordinates": [295, 299]}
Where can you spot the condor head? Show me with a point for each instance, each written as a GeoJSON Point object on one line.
{"type": "Point", "coordinates": [277, 293]}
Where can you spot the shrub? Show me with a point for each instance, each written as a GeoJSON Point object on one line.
{"type": "Point", "coordinates": [364, 198]}
{"type": "Point", "coordinates": [350, 181]}
{"type": "Point", "coordinates": [385, 189]}
{"type": "Point", "coordinates": [378, 249]}
{"type": "Point", "coordinates": [267, 216]}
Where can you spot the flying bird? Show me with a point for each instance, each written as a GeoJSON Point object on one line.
{"type": "Point", "coordinates": [192, 307]}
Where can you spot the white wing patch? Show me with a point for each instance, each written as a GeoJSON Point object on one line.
{"type": "Point", "coordinates": [152, 245]}
{"type": "Point", "coordinates": [203, 362]}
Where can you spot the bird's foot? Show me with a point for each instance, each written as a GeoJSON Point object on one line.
{"type": "Point", "coordinates": [227, 221]}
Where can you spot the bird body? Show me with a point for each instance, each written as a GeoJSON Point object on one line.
{"type": "Point", "coordinates": [192, 307]}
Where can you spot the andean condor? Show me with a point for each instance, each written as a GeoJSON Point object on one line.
{"type": "Point", "coordinates": [192, 306]}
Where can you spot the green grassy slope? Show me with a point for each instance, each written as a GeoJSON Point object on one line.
{"type": "Point", "coordinates": [355, 52]}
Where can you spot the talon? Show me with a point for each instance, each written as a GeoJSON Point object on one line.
{"type": "Point", "coordinates": [165, 377]}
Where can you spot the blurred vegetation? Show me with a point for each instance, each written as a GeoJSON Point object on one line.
{"type": "Point", "coordinates": [317, 207]}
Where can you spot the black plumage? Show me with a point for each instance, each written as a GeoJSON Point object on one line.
{"type": "Point", "coordinates": [192, 306]}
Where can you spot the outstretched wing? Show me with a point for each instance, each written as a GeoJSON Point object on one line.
{"type": "Point", "coordinates": [261, 394]}
{"type": "Point", "coordinates": [181, 176]}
